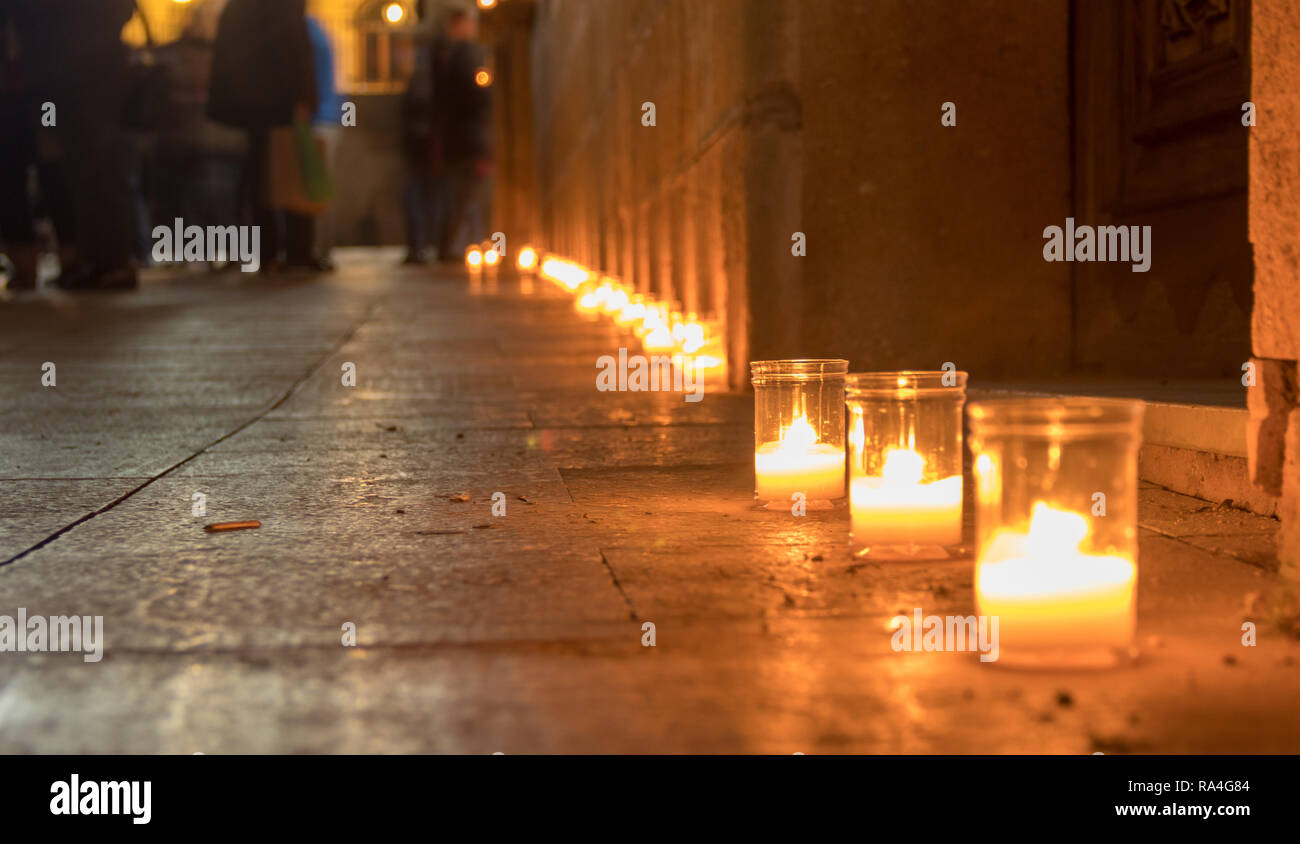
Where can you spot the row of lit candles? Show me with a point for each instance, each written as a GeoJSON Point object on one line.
{"type": "Point", "coordinates": [1064, 594]}
{"type": "Point", "coordinates": [1053, 564]}
{"type": "Point", "coordinates": [661, 327]}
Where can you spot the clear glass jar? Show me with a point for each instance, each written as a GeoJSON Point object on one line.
{"type": "Point", "coordinates": [1056, 484]}
{"type": "Point", "coordinates": [905, 464]}
{"type": "Point", "coordinates": [798, 431]}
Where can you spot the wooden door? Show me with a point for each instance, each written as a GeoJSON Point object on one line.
{"type": "Point", "coordinates": [1158, 92]}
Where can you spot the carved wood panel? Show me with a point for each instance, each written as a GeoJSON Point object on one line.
{"type": "Point", "coordinates": [1158, 91]}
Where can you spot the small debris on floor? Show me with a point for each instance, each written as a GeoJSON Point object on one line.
{"type": "Point", "coordinates": [437, 532]}
{"type": "Point", "coordinates": [1064, 700]}
{"type": "Point", "coordinates": [223, 527]}
{"type": "Point", "coordinates": [399, 511]}
{"type": "Point", "coordinates": [460, 496]}
{"type": "Point", "coordinates": [524, 499]}
{"type": "Point", "coordinates": [1229, 660]}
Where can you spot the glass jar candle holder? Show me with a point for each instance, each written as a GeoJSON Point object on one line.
{"type": "Point", "coordinates": [905, 464]}
{"type": "Point", "coordinates": [1056, 527]}
{"type": "Point", "coordinates": [798, 432]}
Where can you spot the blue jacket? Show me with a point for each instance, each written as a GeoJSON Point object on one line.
{"type": "Point", "coordinates": [331, 104]}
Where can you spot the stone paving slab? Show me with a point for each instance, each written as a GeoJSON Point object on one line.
{"type": "Point", "coordinates": [522, 632]}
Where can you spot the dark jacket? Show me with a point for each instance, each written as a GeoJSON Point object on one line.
{"type": "Point", "coordinates": [459, 110]}
{"type": "Point", "coordinates": [261, 64]}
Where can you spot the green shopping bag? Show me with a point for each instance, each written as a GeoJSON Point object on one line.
{"type": "Point", "coordinates": [316, 179]}
{"type": "Point", "coordinates": [297, 179]}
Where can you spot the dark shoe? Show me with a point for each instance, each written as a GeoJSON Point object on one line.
{"type": "Point", "coordinates": [83, 278]}
{"type": "Point", "coordinates": [315, 265]}
{"type": "Point", "coordinates": [21, 265]}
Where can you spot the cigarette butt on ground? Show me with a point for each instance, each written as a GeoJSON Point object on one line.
{"type": "Point", "coordinates": [221, 527]}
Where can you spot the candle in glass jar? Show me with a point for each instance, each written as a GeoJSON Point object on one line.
{"type": "Point", "coordinates": [898, 509]}
{"type": "Point", "coordinates": [797, 462]}
{"type": "Point", "coordinates": [1051, 598]}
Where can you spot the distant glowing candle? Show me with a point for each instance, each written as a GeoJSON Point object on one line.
{"type": "Point", "coordinates": [659, 340]}
{"type": "Point", "coordinates": [616, 301]}
{"type": "Point", "coordinates": [474, 258]}
{"type": "Point", "coordinates": [898, 509]}
{"type": "Point", "coordinates": [1050, 596]}
{"type": "Point", "coordinates": [633, 311]}
{"type": "Point", "coordinates": [566, 273]}
{"type": "Point", "coordinates": [527, 260]}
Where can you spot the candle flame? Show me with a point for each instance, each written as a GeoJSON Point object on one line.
{"type": "Point", "coordinates": [798, 435]}
{"type": "Point", "coordinates": [903, 467]}
{"type": "Point", "coordinates": [527, 258]}
{"type": "Point", "coordinates": [1053, 533]}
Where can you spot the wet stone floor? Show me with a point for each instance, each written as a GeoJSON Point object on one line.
{"type": "Point", "coordinates": [522, 632]}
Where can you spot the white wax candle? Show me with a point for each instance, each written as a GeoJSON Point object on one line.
{"type": "Point", "coordinates": [897, 509]}
{"type": "Point", "coordinates": [1050, 598]}
{"type": "Point", "coordinates": [798, 463]}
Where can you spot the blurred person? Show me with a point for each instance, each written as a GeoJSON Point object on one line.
{"type": "Point", "coordinates": [327, 125]}
{"type": "Point", "coordinates": [76, 60]}
{"type": "Point", "coordinates": [461, 134]}
{"type": "Point", "coordinates": [19, 116]}
{"type": "Point", "coordinates": [446, 145]}
{"type": "Point", "coordinates": [424, 198]}
{"type": "Point", "coordinates": [263, 78]}
{"type": "Point", "coordinates": [200, 161]}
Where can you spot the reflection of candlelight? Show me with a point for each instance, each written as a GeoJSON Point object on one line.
{"type": "Point", "coordinates": [1052, 598]}
{"type": "Point", "coordinates": [797, 462]}
{"type": "Point", "coordinates": [896, 508]}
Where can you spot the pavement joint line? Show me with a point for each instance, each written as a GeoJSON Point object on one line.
{"type": "Point", "coordinates": [1269, 564]}
{"type": "Point", "coordinates": [288, 394]}
{"type": "Point", "coordinates": [619, 586]}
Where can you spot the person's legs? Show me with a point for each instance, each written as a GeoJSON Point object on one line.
{"type": "Point", "coordinates": [415, 201]}
{"type": "Point", "coordinates": [95, 146]}
{"type": "Point", "coordinates": [326, 222]}
{"type": "Point", "coordinates": [299, 232]}
{"type": "Point", "coordinates": [460, 177]}
{"type": "Point", "coordinates": [264, 216]}
{"type": "Point", "coordinates": [17, 234]}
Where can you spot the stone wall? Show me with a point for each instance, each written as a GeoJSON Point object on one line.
{"type": "Point", "coordinates": [925, 241]}
{"type": "Point", "coordinates": [1275, 236]}
{"type": "Point", "coordinates": [690, 208]}
{"type": "Point", "coordinates": [775, 117]}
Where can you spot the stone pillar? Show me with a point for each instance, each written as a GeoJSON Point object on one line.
{"type": "Point", "coordinates": [1275, 235]}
